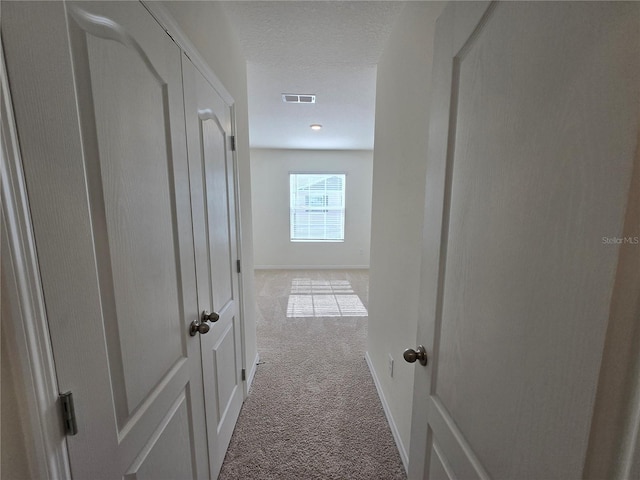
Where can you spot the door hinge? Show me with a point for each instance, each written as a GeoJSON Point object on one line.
{"type": "Point", "coordinates": [244, 374]}
{"type": "Point", "coordinates": [238, 266]}
{"type": "Point", "coordinates": [68, 413]}
{"type": "Point", "coordinates": [232, 139]}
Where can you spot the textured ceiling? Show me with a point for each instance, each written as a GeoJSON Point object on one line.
{"type": "Point", "coordinates": [325, 48]}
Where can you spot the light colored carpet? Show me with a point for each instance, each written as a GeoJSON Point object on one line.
{"type": "Point", "coordinates": [313, 411]}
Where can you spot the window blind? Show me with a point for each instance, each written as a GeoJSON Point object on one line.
{"type": "Point", "coordinates": [317, 206]}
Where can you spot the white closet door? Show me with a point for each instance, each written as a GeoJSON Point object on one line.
{"type": "Point", "coordinates": [532, 144]}
{"type": "Point", "coordinates": [98, 97]}
{"type": "Point", "coordinates": [208, 121]}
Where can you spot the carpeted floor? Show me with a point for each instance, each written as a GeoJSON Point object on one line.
{"type": "Point", "coordinates": [313, 411]}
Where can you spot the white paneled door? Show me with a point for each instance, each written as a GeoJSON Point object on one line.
{"type": "Point", "coordinates": [211, 163]}
{"type": "Point", "coordinates": [532, 141]}
{"type": "Point", "coordinates": [98, 94]}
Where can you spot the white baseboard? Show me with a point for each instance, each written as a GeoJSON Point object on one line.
{"type": "Point", "coordinates": [311, 267]}
{"type": "Point", "coordinates": [387, 412]}
{"type": "Point", "coordinates": [252, 372]}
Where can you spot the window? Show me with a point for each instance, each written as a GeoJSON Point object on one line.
{"type": "Point", "coordinates": [317, 207]}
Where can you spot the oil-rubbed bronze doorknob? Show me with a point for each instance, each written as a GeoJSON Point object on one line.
{"type": "Point", "coordinates": [198, 327]}
{"type": "Point", "coordinates": [212, 317]}
{"type": "Point", "coordinates": [410, 355]}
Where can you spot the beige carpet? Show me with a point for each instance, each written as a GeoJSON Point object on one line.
{"type": "Point", "coordinates": [313, 411]}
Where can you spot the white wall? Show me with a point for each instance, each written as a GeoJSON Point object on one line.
{"type": "Point", "coordinates": [399, 169]}
{"type": "Point", "coordinates": [270, 187]}
{"type": "Point", "coordinates": [209, 30]}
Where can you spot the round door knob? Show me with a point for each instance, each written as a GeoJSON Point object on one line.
{"type": "Point", "coordinates": [212, 317]}
{"type": "Point", "coordinates": [198, 327]}
{"type": "Point", "coordinates": [411, 355]}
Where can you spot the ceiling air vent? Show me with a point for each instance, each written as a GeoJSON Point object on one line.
{"type": "Point", "coordinates": [298, 98]}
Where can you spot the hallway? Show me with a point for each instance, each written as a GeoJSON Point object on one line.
{"type": "Point", "coordinates": [473, 168]}
{"type": "Point", "coordinates": [313, 411]}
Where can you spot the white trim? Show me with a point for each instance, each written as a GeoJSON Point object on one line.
{"type": "Point", "coordinates": [311, 267]}
{"type": "Point", "coordinates": [630, 455]}
{"type": "Point", "coordinates": [166, 21]}
{"type": "Point", "coordinates": [318, 172]}
{"type": "Point", "coordinates": [241, 283]}
{"type": "Point", "coordinates": [241, 295]}
{"type": "Point", "coordinates": [387, 411]}
{"type": "Point", "coordinates": [252, 372]}
{"type": "Point", "coordinates": [48, 457]}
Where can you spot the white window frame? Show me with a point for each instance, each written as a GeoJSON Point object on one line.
{"type": "Point", "coordinates": [293, 208]}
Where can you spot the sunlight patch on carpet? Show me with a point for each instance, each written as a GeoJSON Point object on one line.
{"type": "Point", "coordinates": [324, 298]}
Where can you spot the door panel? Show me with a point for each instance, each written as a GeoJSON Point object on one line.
{"type": "Point", "coordinates": [226, 378]}
{"type": "Point", "coordinates": [174, 432]}
{"type": "Point", "coordinates": [439, 468]}
{"type": "Point", "coordinates": [533, 140]}
{"type": "Point", "coordinates": [130, 182]}
{"type": "Point", "coordinates": [208, 121]}
{"type": "Point", "coordinates": [107, 176]}
{"type": "Point", "coordinates": [217, 207]}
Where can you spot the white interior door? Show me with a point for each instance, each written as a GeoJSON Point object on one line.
{"type": "Point", "coordinates": [532, 142]}
{"type": "Point", "coordinates": [208, 121]}
{"type": "Point", "coordinates": [98, 98]}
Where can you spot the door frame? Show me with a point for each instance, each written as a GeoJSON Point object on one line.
{"type": "Point", "coordinates": [28, 326]}
{"type": "Point", "coordinates": [31, 345]}
{"type": "Point", "coordinates": [248, 376]}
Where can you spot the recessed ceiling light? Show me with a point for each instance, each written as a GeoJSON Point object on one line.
{"type": "Point", "coordinates": [315, 126]}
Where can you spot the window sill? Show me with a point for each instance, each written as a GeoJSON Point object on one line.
{"type": "Point", "coordinates": [314, 241]}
